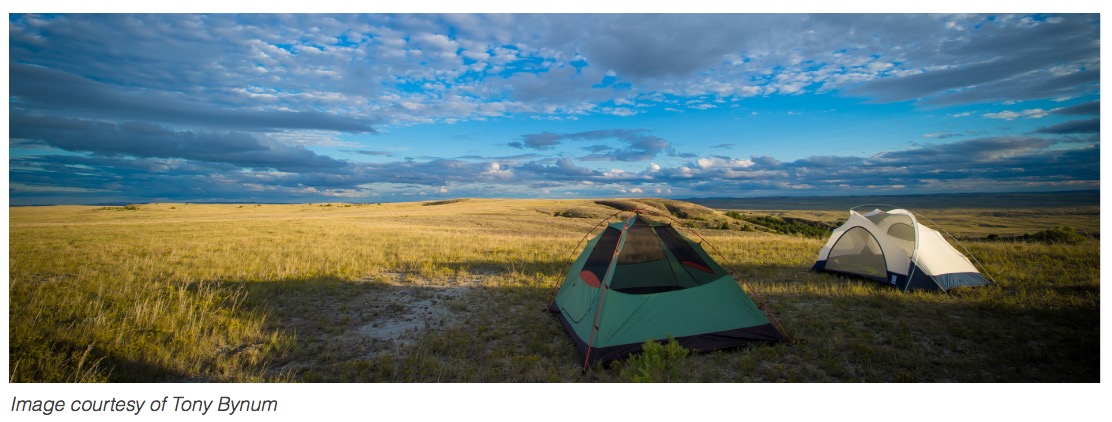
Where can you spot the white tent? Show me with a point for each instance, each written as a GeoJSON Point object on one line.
{"type": "Point", "coordinates": [894, 248]}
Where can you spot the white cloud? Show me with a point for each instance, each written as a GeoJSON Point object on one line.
{"type": "Point", "coordinates": [624, 112]}
{"type": "Point", "coordinates": [877, 67]}
{"type": "Point", "coordinates": [1035, 113]}
{"type": "Point", "coordinates": [716, 162]}
{"type": "Point", "coordinates": [494, 172]}
{"type": "Point", "coordinates": [309, 138]}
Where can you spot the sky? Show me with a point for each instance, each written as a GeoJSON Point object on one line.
{"type": "Point", "coordinates": [137, 108]}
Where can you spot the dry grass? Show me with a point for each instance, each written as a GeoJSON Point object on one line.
{"type": "Point", "coordinates": [454, 291]}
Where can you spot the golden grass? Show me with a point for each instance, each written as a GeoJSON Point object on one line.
{"type": "Point", "coordinates": [230, 293]}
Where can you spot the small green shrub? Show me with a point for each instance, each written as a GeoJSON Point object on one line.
{"type": "Point", "coordinates": [656, 362]}
{"type": "Point", "coordinates": [787, 225]}
{"type": "Point", "coordinates": [1058, 234]}
{"type": "Point", "coordinates": [575, 213]}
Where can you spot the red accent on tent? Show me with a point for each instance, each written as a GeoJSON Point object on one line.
{"type": "Point", "coordinates": [590, 278]}
{"type": "Point", "coordinates": [697, 266]}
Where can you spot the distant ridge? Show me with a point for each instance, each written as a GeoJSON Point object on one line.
{"type": "Point", "coordinates": [913, 202]}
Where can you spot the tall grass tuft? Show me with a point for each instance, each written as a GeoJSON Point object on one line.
{"type": "Point", "coordinates": [657, 362]}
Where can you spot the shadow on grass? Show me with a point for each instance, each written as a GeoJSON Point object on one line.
{"type": "Point", "coordinates": [135, 370]}
{"type": "Point", "coordinates": [378, 332]}
{"type": "Point", "coordinates": [82, 363]}
{"type": "Point", "coordinates": [845, 330]}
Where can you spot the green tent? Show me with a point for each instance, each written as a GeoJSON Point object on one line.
{"type": "Point", "coordinates": [640, 279]}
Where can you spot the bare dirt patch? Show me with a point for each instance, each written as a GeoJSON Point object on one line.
{"type": "Point", "coordinates": [412, 307]}
{"type": "Point", "coordinates": [356, 321]}
{"type": "Point", "coordinates": [405, 313]}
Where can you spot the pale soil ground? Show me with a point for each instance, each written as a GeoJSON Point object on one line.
{"type": "Point", "coordinates": [412, 308]}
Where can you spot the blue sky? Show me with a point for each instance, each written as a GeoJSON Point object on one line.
{"type": "Point", "coordinates": [384, 107]}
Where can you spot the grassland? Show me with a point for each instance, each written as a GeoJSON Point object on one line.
{"type": "Point", "coordinates": [455, 291]}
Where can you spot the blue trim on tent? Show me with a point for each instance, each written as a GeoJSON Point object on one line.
{"type": "Point", "coordinates": [949, 281]}
{"type": "Point", "coordinates": [919, 280]}
{"type": "Point", "coordinates": [819, 265]}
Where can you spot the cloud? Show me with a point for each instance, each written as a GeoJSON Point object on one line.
{"type": "Point", "coordinates": [147, 140]}
{"type": "Point", "coordinates": [495, 172]}
{"type": "Point", "coordinates": [564, 169]}
{"type": "Point", "coordinates": [976, 164]}
{"type": "Point", "coordinates": [432, 173]}
{"type": "Point", "coordinates": [375, 153]}
{"type": "Point", "coordinates": [1091, 107]}
{"type": "Point", "coordinates": [349, 72]}
{"type": "Point", "coordinates": [1001, 59]}
{"type": "Point", "coordinates": [100, 179]}
{"type": "Point", "coordinates": [941, 135]}
{"type": "Point", "coordinates": [982, 151]}
{"type": "Point", "coordinates": [54, 92]}
{"type": "Point", "coordinates": [598, 148]}
{"type": "Point", "coordinates": [660, 46]}
{"type": "Point", "coordinates": [640, 148]}
{"type": "Point", "coordinates": [639, 145]}
{"type": "Point", "coordinates": [1036, 113]}
{"type": "Point", "coordinates": [722, 162]}
{"type": "Point", "coordinates": [1073, 127]}
{"type": "Point", "coordinates": [232, 107]}
{"type": "Point", "coordinates": [539, 141]}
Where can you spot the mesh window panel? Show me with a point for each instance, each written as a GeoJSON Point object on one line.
{"type": "Point", "coordinates": [681, 249]}
{"type": "Point", "coordinates": [600, 257]}
{"type": "Point", "coordinates": [904, 236]}
{"type": "Point", "coordinates": [641, 245]}
{"type": "Point", "coordinates": [654, 258]}
{"type": "Point", "coordinates": [657, 259]}
{"type": "Point", "coordinates": [857, 252]}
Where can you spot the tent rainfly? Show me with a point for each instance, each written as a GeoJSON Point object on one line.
{"type": "Point", "coordinates": [894, 248]}
{"type": "Point", "coordinates": [639, 280]}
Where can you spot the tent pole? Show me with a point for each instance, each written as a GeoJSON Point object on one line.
{"type": "Point", "coordinates": [605, 285]}
{"type": "Point", "coordinates": [556, 288]}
